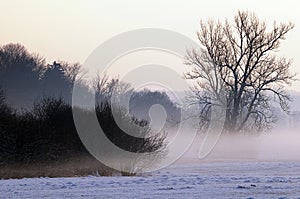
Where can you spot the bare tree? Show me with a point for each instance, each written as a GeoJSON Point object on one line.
{"type": "Point", "coordinates": [242, 55]}
{"type": "Point", "coordinates": [72, 70]}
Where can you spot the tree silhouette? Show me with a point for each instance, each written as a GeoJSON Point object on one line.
{"type": "Point", "coordinates": [141, 102]}
{"type": "Point", "coordinates": [26, 78]}
{"type": "Point", "coordinates": [57, 80]}
{"type": "Point", "coordinates": [20, 74]}
{"type": "Point", "coordinates": [241, 60]}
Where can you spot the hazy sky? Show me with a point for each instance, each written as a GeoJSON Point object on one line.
{"type": "Point", "coordinates": [69, 29]}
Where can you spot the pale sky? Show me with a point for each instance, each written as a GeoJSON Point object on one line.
{"type": "Point", "coordinates": [70, 30]}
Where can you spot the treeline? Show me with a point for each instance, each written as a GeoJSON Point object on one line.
{"type": "Point", "coordinates": [36, 121]}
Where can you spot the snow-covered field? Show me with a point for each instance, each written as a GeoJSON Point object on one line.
{"type": "Point", "coordinates": [259, 167]}
{"type": "Point", "coordinates": [240, 179]}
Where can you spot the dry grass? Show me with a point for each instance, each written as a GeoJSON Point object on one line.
{"type": "Point", "coordinates": [71, 167]}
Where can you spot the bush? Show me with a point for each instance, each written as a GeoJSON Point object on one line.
{"type": "Point", "coordinates": [7, 131]}
{"type": "Point", "coordinates": [148, 143]}
{"type": "Point", "coordinates": [142, 144]}
{"type": "Point", "coordinates": [47, 134]}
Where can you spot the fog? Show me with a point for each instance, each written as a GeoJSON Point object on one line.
{"type": "Point", "coordinates": [271, 146]}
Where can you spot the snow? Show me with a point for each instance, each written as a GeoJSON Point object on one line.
{"type": "Point", "coordinates": [202, 179]}
{"type": "Point", "coordinates": [259, 167]}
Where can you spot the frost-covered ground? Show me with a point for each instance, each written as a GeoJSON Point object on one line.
{"type": "Point", "coordinates": [243, 167]}
{"type": "Point", "coordinates": [240, 179]}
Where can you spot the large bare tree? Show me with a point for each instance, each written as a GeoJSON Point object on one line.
{"type": "Point", "coordinates": [240, 58]}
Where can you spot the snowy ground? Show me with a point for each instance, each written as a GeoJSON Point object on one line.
{"type": "Point", "coordinates": [193, 180]}
{"type": "Point", "coordinates": [260, 167]}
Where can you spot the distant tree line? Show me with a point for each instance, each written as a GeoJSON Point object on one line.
{"type": "Point", "coordinates": [36, 121]}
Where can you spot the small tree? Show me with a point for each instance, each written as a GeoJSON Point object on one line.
{"type": "Point", "coordinates": [243, 57]}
